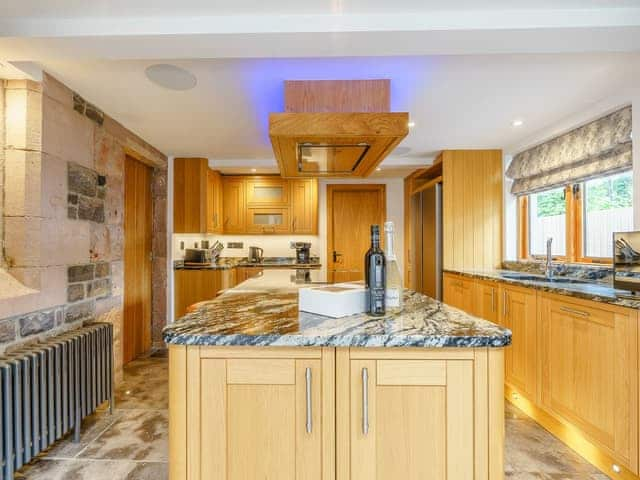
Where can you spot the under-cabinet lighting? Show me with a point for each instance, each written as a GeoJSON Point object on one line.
{"type": "Point", "coordinates": [616, 468]}
{"type": "Point", "coordinates": [517, 122]}
{"type": "Point", "coordinates": [254, 170]}
{"type": "Point", "coordinates": [411, 124]}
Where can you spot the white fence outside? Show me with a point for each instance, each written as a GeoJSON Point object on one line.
{"type": "Point", "coordinates": [600, 225]}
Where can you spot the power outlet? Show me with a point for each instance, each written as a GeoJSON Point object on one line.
{"type": "Point", "coordinates": [235, 245]}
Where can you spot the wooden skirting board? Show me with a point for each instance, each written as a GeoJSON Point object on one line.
{"type": "Point", "coordinates": [569, 435]}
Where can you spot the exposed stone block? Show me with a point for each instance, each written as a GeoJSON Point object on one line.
{"type": "Point", "coordinates": [75, 292]}
{"type": "Point", "coordinates": [82, 180]}
{"type": "Point", "coordinates": [53, 185]}
{"type": "Point", "coordinates": [103, 269]}
{"type": "Point", "coordinates": [7, 331]}
{"type": "Point", "coordinates": [91, 209]}
{"type": "Point", "coordinates": [24, 107]}
{"type": "Point", "coordinates": [67, 242]}
{"type": "Point", "coordinates": [23, 239]}
{"type": "Point", "coordinates": [66, 134]}
{"type": "Point", "coordinates": [72, 212]}
{"type": "Point", "coordinates": [99, 288]}
{"type": "Point", "coordinates": [80, 273]}
{"type": "Point", "coordinates": [76, 312]}
{"type": "Point", "coordinates": [72, 198]}
{"type": "Point", "coordinates": [101, 193]}
{"type": "Point", "coordinates": [94, 113]}
{"type": "Point", "coordinates": [23, 183]}
{"type": "Point", "coordinates": [37, 322]}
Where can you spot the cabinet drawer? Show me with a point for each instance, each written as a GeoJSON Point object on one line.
{"type": "Point", "coordinates": [268, 220]}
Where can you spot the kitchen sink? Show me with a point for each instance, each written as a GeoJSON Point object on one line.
{"type": "Point", "coordinates": [540, 278]}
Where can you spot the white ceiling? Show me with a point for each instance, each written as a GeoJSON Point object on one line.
{"type": "Point", "coordinates": [464, 75]}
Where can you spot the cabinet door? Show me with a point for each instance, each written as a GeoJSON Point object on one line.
{"type": "Point", "coordinates": [268, 220]}
{"type": "Point", "coordinates": [190, 195]}
{"type": "Point", "coordinates": [304, 206]}
{"type": "Point", "coordinates": [488, 301]}
{"type": "Point", "coordinates": [214, 202]}
{"type": "Point", "coordinates": [519, 312]}
{"type": "Point", "coordinates": [260, 418]}
{"type": "Point", "coordinates": [459, 292]}
{"type": "Point", "coordinates": [589, 372]}
{"type": "Point", "coordinates": [267, 192]}
{"type": "Point", "coordinates": [193, 286]}
{"type": "Point", "coordinates": [414, 419]}
{"type": "Point", "coordinates": [233, 205]}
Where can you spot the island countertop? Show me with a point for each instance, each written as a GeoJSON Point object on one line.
{"type": "Point", "coordinates": [263, 311]}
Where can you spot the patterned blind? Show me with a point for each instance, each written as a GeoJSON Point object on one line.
{"type": "Point", "coordinates": [597, 148]}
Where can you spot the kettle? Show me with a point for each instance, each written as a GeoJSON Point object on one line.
{"type": "Point", "coordinates": [255, 254]}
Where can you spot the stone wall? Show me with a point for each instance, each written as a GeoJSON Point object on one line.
{"type": "Point", "coordinates": [2, 147]}
{"type": "Point", "coordinates": [64, 219]}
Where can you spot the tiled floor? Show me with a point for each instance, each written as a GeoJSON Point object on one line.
{"type": "Point", "coordinates": [132, 443]}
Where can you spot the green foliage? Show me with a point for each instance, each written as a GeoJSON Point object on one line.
{"type": "Point", "coordinates": [609, 193]}
{"type": "Point", "coordinates": [551, 203]}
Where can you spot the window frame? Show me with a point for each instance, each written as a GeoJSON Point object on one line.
{"type": "Point", "coordinates": [574, 198]}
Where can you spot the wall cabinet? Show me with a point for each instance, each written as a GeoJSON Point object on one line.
{"type": "Point", "coordinates": [268, 220]}
{"type": "Point", "coordinates": [267, 192]}
{"type": "Point", "coordinates": [459, 292]}
{"type": "Point", "coordinates": [304, 206]}
{"type": "Point", "coordinates": [589, 367]}
{"type": "Point", "coordinates": [233, 205]}
{"type": "Point", "coordinates": [197, 193]}
{"type": "Point", "coordinates": [519, 315]}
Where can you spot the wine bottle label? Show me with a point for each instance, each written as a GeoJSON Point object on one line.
{"type": "Point", "coordinates": [392, 297]}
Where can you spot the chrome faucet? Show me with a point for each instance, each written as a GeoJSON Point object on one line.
{"type": "Point", "coordinates": [548, 270]}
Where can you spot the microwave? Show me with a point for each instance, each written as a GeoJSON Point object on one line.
{"type": "Point", "coordinates": [626, 261]}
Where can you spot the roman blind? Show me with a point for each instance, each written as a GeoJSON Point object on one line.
{"type": "Point", "coordinates": [597, 148]}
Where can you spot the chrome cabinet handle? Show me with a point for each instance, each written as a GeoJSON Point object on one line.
{"type": "Point", "coordinates": [571, 311]}
{"type": "Point", "coordinates": [365, 401]}
{"type": "Point", "coordinates": [505, 303]}
{"type": "Point", "coordinates": [307, 375]}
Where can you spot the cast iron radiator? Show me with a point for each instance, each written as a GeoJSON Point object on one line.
{"type": "Point", "coordinates": [47, 388]}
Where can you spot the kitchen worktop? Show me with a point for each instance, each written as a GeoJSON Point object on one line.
{"type": "Point", "coordinates": [598, 292]}
{"type": "Point", "coordinates": [264, 312]}
{"type": "Point", "coordinates": [227, 263]}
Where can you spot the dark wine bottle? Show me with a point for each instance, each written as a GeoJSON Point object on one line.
{"type": "Point", "coordinates": [375, 274]}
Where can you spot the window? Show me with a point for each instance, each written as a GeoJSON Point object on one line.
{"type": "Point", "coordinates": [580, 218]}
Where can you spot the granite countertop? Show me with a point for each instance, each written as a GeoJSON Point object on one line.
{"type": "Point", "coordinates": [264, 312]}
{"type": "Point", "coordinates": [226, 263]}
{"type": "Point", "coordinates": [598, 292]}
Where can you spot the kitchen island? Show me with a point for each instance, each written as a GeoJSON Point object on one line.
{"type": "Point", "coordinates": [261, 390]}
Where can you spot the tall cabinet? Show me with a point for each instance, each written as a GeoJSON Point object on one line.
{"type": "Point", "coordinates": [197, 193]}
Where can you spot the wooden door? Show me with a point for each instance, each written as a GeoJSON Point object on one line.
{"type": "Point", "coordinates": [214, 202]}
{"type": "Point", "coordinates": [589, 360]}
{"type": "Point", "coordinates": [488, 301]}
{"type": "Point", "coordinates": [417, 416]}
{"type": "Point", "coordinates": [351, 210]}
{"type": "Point", "coordinates": [519, 309]}
{"type": "Point", "coordinates": [304, 206]}
{"type": "Point", "coordinates": [136, 335]}
{"type": "Point", "coordinates": [261, 418]}
{"type": "Point", "coordinates": [233, 205]}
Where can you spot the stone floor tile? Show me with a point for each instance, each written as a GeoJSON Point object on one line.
{"type": "Point", "coordinates": [45, 469]}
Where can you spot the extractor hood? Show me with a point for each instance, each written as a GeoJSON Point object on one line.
{"type": "Point", "coordinates": [340, 128]}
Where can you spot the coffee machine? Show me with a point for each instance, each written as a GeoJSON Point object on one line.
{"type": "Point", "coordinates": [303, 252]}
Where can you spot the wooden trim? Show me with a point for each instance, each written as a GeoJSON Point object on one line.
{"type": "Point", "coordinates": [328, 413]}
{"type": "Point", "coordinates": [260, 352]}
{"type": "Point", "coordinates": [523, 227]}
{"type": "Point", "coordinates": [568, 434]}
{"type": "Point", "coordinates": [178, 412]}
{"type": "Point", "coordinates": [411, 353]}
{"type": "Point", "coordinates": [343, 414]}
{"type": "Point", "coordinates": [379, 188]}
{"type": "Point", "coordinates": [194, 447]}
{"type": "Point", "coordinates": [496, 412]}
{"type": "Point", "coordinates": [337, 95]}
{"type": "Point", "coordinates": [426, 185]}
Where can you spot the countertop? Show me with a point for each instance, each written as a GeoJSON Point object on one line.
{"type": "Point", "coordinates": [264, 312]}
{"type": "Point", "coordinates": [226, 263]}
{"type": "Point", "coordinates": [597, 292]}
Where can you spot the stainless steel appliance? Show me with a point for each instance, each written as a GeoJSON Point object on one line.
{"type": "Point", "coordinates": [303, 252]}
{"type": "Point", "coordinates": [626, 261]}
{"type": "Point", "coordinates": [255, 254]}
{"type": "Point", "coordinates": [426, 248]}
{"type": "Point", "coordinates": [198, 256]}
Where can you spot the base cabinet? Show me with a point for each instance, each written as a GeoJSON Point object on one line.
{"type": "Point", "coordinates": [459, 292]}
{"type": "Point", "coordinates": [193, 286]}
{"type": "Point", "coordinates": [240, 413]}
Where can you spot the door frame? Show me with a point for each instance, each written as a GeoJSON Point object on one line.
{"type": "Point", "coordinates": [379, 188]}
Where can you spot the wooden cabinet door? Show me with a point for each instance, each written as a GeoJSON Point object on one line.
{"type": "Point", "coordinates": [233, 205]}
{"type": "Point", "coordinates": [214, 202]}
{"type": "Point", "coordinates": [519, 310]}
{"type": "Point", "coordinates": [460, 292]}
{"type": "Point", "coordinates": [193, 286]}
{"type": "Point", "coordinates": [488, 301]}
{"type": "Point", "coordinates": [267, 220]}
{"type": "Point", "coordinates": [413, 418]}
{"type": "Point", "coordinates": [261, 418]}
{"type": "Point", "coordinates": [589, 359]}
{"type": "Point", "coordinates": [190, 195]}
{"type": "Point", "coordinates": [267, 192]}
{"type": "Point", "coordinates": [304, 206]}
{"type": "Point", "coordinates": [245, 273]}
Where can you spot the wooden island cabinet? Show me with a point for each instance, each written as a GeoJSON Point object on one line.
{"type": "Point", "coordinates": [572, 365]}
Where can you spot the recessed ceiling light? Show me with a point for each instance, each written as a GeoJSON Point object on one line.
{"type": "Point", "coordinates": [517, 122]}
{"type": "Point", "coordinates": [254, 170]}
{"type": "Point", "coordinates": [171, 76]}
{"type": "Point", "coordinates": [411, 124]}
{"type": "Point", "coordinates": [378, 169]}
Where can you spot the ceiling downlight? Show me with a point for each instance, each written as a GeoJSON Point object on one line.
{"type": "Point", "coordinates": [171, 77]}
